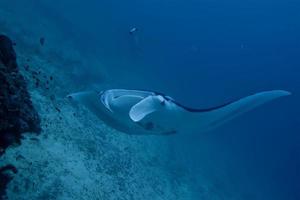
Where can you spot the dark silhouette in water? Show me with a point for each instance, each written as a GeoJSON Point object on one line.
{"type": "Point", "coordinates": [135, 40]}
{"type": "Point", "coordinates": [42, 41]}
{"type": "Point", "coordinates": [133, 31]}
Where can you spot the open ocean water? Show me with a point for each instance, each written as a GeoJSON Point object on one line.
{"type": "Point", "coordinates": [203, 53]}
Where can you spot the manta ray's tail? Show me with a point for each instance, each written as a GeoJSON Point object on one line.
{"type": "Point", "coordinates": [210, 119]}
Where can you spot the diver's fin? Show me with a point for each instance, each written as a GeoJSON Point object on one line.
{"type": "Point", "coordinates": [214, 118]}
{"type": "Point", "coordinates": [145, 107]}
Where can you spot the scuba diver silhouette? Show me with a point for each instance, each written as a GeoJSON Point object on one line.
{"type": "Point", "coordinates": [135, 40]}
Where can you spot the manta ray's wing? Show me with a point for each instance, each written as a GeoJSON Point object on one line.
{"type": "Point", "coordinates": [210, 119]}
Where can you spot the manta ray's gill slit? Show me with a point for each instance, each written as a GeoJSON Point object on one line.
{"type": "Point", "coordinates": [149, 126]}
{"type": "Point", "coordinates": [103, 100]}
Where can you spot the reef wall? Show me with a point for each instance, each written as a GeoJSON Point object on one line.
{"type": "Point", "coordinates": [17, 115]}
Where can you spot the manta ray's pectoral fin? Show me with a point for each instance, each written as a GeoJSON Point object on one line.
{"type": "Point", "coordinates": [211, 119]}
{"type": "Point", "coordinates": [145, 107]}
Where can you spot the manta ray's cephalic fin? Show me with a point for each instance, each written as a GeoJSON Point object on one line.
{"type": "Point", "coordinates": [145, 107]}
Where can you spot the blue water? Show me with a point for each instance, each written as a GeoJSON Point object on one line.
{"type": "Point", "coordinates": [204, 53]}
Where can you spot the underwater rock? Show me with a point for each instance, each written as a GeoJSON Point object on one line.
{"type": "Point", "coordinates": [7, 53]}
{"type": "Point", "coordinates": [17, 115]}
{"type": "Point", "coordinates": [5, 178]}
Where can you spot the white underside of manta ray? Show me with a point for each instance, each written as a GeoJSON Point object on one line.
{"type": "Point", "coordinates": [151, 113]}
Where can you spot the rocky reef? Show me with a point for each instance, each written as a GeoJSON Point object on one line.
{"type": "Point", "coordinates": [17, 115]}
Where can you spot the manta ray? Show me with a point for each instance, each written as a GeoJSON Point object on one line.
{"type": "Point", "coordinates": [153, 113]}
